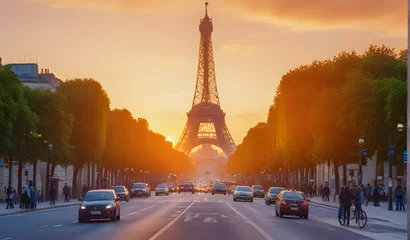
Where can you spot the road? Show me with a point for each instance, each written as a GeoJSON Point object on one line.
{"type": "Point", "coordinates": [192, 216]}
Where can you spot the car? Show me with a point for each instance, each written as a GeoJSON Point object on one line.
{"type": "Point", "coordinates": [291, 203]}
{"type": "Point", "coordinates": [162, 189]}
{"type": "Point", "coordinates": [243, 193]}
{"type": "Point", "coordinates": [271, 195]}
{"type": "Point", "coordinates": [219, 188]}
{"type": "Point", "coordinates": [140, 190]}
{"type": "Point", "coordinates": [121, 192]}
{"type": "Point", "coordinates": [99, 204]}
{"type": "Point", "coordinates": [186, 187]}
{"type": "Point", "coordinates": [258, 191]}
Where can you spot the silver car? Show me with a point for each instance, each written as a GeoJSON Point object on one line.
{"type": "Point", "coordinates": [270, 197]}
{"type": "Point", "coordinates": [162, 189]}
{"type": "Point", "coordinates": [243, 193]}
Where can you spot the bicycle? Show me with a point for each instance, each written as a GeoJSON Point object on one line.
{"type": "Point", "coordinates": [356, 214]}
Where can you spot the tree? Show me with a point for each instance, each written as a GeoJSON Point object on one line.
{"type": "Point", "coordinates": [89, 104]}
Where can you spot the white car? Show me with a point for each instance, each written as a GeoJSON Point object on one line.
{"type": "Point", "coordinates": [243, 193]}
{"type": "Point", "coordinates": [162, 189]}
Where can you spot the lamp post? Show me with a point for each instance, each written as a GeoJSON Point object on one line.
{"type": "Point", "coordinates": [400, 128]}
{"type": "Point", "coordinates": [361, 142]}
{"type": "Point", "coordinates": [50, 147]}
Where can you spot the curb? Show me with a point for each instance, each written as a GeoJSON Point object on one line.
{"type": "Point", "coordinates": [323, 204]}
{"type": "Point", "coordinates": [38, 210]}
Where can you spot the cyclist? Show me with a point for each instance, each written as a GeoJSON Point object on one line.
{"type": "Point", "coordinates": [346, 197]}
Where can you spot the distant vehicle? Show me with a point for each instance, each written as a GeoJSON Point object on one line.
{"type": "Point", "coordinates": [219, 188]}
{"type": "Point", "coordinates": [99, 204]}
{"type": "Point", "coordinates": [121, 192]}
{"type": "Point", "coordinates": [140, 190]}
{"type": "Point", "coordinates": [232, 188]}
{"type": "Point", "coordinates": [291, 203]}
{"type": "Point", "coordinates": [243, 193]}
{"type": "Point", "coordinates": [161, 189]}
{"type": "Point", "coordinates": [258, 191]}
{"type": "Point", "coordinates": [186, 187]}
{"type": "Point", "coordinates": [270, 197]}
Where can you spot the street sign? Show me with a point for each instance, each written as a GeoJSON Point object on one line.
{"type": "Point", "coordinates": [364, 153]}
{"type": "Point", "coordinates": [405, 156]}
{"type": "Point", "coordinates": [391, 150]}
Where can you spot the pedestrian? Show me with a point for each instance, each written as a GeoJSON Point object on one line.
{"type": "Point", "coordinates": [8, 200]}
{"type": "Point", "coordinates": [399, 194]}
{"type": "Point", "coordinates": [35, 198]}
{"type": "Point", "coordinates": [326, 191]}
{"type": "Point", "coordinates": [52, 195]}
{"type": "Point", "coordinates": [11, 197]}
{"type": "Point", "coordinates": [376, 194]}
{"type": "Point", "coordinates": [346, 197]}
{"type": "Point", "coordinates": [66, 192]}
{"type": "Point", "coordinates": [368, 193]}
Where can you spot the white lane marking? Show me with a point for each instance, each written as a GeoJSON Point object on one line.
{"type": "Point", "coordinates": [59, 225]}
{"type": "Point", "coordinates": [220, 201]}
{"type": "Point", "coordinates": [132, 213]}
{"type": "Point", "coordinates": [170, 224]}
{"type": "Point", "coordinates": [174, 215]}
{"type": "Point", "coordinates": [44, 226]}
{"type": "Point", "coordinates": [300, 222]}
{"type": "Point", "coordinates": [40, 230]}
{"type": "Point", "coordinates": [206, 199]}
{"type": "Point", "coordinates": [210, 220]}
{"type": "Point", "coordinates": [75, 222]}
{"type": "Point", "coordinates": [6, 238]}
{"type": "Point", "coordinates": [259, 229]}
{"type": "Point", "coordinates": [177, 211]}
{"type": "Point", "coordinates": [148, 208]}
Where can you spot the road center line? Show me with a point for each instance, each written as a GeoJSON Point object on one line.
{"type": "Point", "coordinates": [6, 238]}
{"type": "Point", "coordinates": [170, 224]}
{"type": "Point", "coordinates": [131, 213]}
{"type": "Point", "coordinates": [59, 225]}
{"type": "Point", "coordinates": [148, 208]}
{"type": "Point", "coordinates": [259, 229]}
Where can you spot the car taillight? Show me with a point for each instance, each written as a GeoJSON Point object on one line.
{"type": "Point", "coordinates": [283, 203]}
{"type": "Point", "coordinates": [304, 203]}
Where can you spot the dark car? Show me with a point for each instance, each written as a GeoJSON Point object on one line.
{"type": "Point", "coordinates": [219, 188]}
{"type": "Point", "coordinates": [292, 203]}
{"type": "Point", "coordinates": [140, 190]}
{"type": "Point", "coordinates": [186, 187]}
{"type": "Point", "coordinates": [121, 192]}
{"type": "Point", "coordinates": [270, 197]}
{"type": "Point", "coordinates": [258, 191]}
{"type": "Point", "coordinates": [99, 204]}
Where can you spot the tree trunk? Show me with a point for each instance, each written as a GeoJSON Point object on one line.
{"type": "Point", "coordinates": [337, 184]}
{"type": "Point", "coordinates": [93, 175]}
{"type": "Point", "coordinates": [344, 174]}
{"type": "Point", "coordinates": [89, 175]}
{"type": "Point", "coordinates": [74, 184]}
{"type": "Point", "coordinates": [112, 177]}
{"type": "Point", "coordinates": [20, 177]}
{"type": "Point", "coordinates": [35, 172]}
{"type": "Point", "coordinates": [47, 193]}
{"type": "Point", "coordinates": [53, 168]}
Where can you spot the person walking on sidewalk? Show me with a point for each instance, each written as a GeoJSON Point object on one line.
{"type": "Point", "coordinates": [52, 195]}
{"type": "Point", "coordinates": [399, 194]}
{"type": "Point", "coordinates": [376, 194]}
{"type": "Point", "coordinates": [326, 191]}
{"type": "Point", "coordinates": [8, 200]}
{"type": "Point", "coordinates": [368, 193]}
{"type": "Point", "coordinates": [66, 192]}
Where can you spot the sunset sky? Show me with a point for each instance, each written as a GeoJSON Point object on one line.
{"type": "Point", "coordinates": [144, 52]}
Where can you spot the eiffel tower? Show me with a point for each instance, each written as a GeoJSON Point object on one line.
{"type": "Point", "coordinates": [206, 120]}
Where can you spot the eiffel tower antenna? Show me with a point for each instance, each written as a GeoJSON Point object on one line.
{"type": "Point", "coordinates": [206, 120]}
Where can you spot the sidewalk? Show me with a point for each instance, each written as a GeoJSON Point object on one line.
{"type": "Point", "coordinates": [40, 206]}
{"type": "Point", "coordinates": [381, 213]}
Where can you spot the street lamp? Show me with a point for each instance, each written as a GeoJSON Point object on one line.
{"type": "Point", "coordinates": [361, 142]}
{"type": "Point", "coordinates": [400, 128]}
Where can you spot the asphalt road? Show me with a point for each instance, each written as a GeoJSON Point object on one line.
{"type": "Point", "coordinates": [192, 216]}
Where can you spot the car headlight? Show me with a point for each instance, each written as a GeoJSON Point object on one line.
{"type": "Point", "coordinates": [83, 207]}
{"type": "Point", "coordinates": [109, 206]}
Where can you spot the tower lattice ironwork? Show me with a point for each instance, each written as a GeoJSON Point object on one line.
{"type": "Point", "coordinates": [206, 120]}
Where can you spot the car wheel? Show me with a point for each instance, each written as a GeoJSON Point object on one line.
{"type": "Point", "coordinates": [156, 194]}
{"type": "Point", "coordinates": [280, 215]}
{"type": "Point", "coordinates": [251, 200]}
{"type": "Point", "coordinates": [224, 193]}
{"type": "Point", "coordinates": [119, 216]}
{"type": "Point", "coordinates": [81, 220]}
{"type": "Point", "coordinates": [179, 192]}
{"type": "Point", "coordinates": [234, 199]}
{"type": "Point", "coordinates": [276, 213]}
{"type": "Point", "coordinates": [193, 192]}
{"type": "Point", "coordinates": [306, 216]}
{"type": "Point", "coordinates": [268, 203]}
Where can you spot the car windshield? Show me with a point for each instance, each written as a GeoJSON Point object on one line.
{"type": "Point", "coordinates": [258, 187]}
{"type": "Point", "coordinates": [162, 186]}
{"type": "Point", "coordinates": [219, 186]}
{"type": "Point", "coordinates": [244, 189]}
{"type": "Point", "coordinates": [293, 195]}
{"type": "Point", "coordinates": [275, 190]}
{"type": "Point", "coordinates": [118, 188]}
{"type": "Point", "coordinates": [139, 185]}
{"type": "Point", "coordinates": [99, 196]}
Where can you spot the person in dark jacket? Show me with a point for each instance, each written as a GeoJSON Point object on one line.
{"type": "Point", "coordinates": [52, 195]}
{"type": "Point", "coordinates": [399, 194]}
{"type": "Point", "coordinates": [346, 197]}
{"type": "Point", "coordinates": [376, 194]}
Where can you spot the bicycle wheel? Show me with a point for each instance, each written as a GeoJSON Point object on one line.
{"type": "Point", "coordinates": [340, 217]}
{"type": "Point", "coordinates": [362, 218]}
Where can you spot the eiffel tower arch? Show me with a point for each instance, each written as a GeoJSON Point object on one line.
{"type": "Point", "coordinates": [206, 120]}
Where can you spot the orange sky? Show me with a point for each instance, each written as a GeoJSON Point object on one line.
{"type": "Point", "coordinates": [144, 52]}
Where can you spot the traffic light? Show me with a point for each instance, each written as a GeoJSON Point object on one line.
{"type": "Point", "coordinates": [17, 173]}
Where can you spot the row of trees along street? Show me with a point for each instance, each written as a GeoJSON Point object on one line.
{"type": "Point", "coordinates": [322, 109]}
{"type": "Point", "coordinates": [74, 127]}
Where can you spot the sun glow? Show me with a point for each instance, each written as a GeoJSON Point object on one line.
{"type": "Point", "coordinates": [169, 139]}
